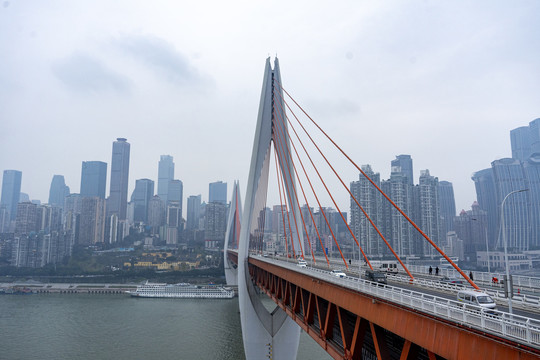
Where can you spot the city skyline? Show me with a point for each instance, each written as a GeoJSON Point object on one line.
{"type": "Point", "coordinates": [441, 82]}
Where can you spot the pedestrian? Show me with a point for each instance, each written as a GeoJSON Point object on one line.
{"type": "Point", "coordinates": [437, 271]}
{"type": "Point", "coordinates": [430, 270]}
{"type": "Point", "coordinates": [470, 275]}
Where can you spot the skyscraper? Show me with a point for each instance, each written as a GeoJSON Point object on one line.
{"type": "Point", "coordinates": [525, 140]}
{"type": "Point", "coordinates": [176, 193]}
{"type": "Point", "coordinates": [92, 224]}
{"type": "Point", "coordinates": [11, 190]}
{"type": "Point", "coordinates": [403, 164]}
{"type": "Point", "coordinates": [371, 201]}
{"type": "Point", "coordinates": [165, 176]}
{"type": "Point", "coordinates": [429, 211]}
{"type": "Point", "coordinates": [93, 179]}
{"type": "Point", "coordinates": [144, 191]}
{"type": "Point", "coordinates": [193, 212]}
{"type": "Point", "coordinates": [217, 192]}
{"type": "Point", "coordinates": [508, 176]}
{"type": "Point", "coordinates": [117, 202]}
{"type": "Point", "coordinates": [447, 205]}
{"type": "Point", "coordinates": [58, 191]}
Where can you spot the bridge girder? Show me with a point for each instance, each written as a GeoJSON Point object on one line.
{"type": "Point", "coordinates": [345, 322]}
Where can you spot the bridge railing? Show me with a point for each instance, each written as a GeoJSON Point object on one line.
{"type": "Point", "coordinates": [522, 329]}
{"type": "Point", "coordinates": [522, 282]}
{"type": "Point", "coordinates": [522, 300]}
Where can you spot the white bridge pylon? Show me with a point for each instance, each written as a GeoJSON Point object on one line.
{"type": "Point", "coordinates": [266, 335]}
{"type": "Point", "coordinates": [232, 235]}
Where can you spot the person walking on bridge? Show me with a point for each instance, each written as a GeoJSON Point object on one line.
{"type": "Point", "coordinates": [430, 270]}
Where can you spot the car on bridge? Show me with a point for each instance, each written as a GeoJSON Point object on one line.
{"type": "Point", "coordinates": [477, 298]}
{"type": "Point", "coordinates": [302, 263]}
{"type": "Point", "coordinates": [378, 277]}
{"type": "Point", "coordinates": [338, 273]}
{"type": "Point", "coordinates": [451, 281]}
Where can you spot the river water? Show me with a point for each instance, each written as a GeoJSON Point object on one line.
{"type": "Point", "coordinates": [86, 326]}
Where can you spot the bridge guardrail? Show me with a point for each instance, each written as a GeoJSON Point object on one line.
{"type": "Point", "coordinates": [522, 300]}
{"type": "Point", "coordinates": [522, 329]}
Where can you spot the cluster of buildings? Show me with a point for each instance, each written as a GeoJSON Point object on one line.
{"type": "Point", "coordinates": [34, 234]}
{"type": "Point", "coordinates": [475, 236]}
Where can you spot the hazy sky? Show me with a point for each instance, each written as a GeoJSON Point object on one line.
{"type": "Point", "coordinates": [442, 81]}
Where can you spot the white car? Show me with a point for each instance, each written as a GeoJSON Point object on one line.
{"type": "Point", "coordinates": [302, 263]}
{"type": "Point", "coordinates": [338, 273]}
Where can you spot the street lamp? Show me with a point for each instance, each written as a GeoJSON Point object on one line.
{"type": "Point", "coordinates": [507, 283]}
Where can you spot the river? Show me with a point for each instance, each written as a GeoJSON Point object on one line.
{"type": "Point", "coordinates": [98, 326]}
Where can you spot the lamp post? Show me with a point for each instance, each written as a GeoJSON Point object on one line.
{"type": "Point", "coordinates": [507, 283]}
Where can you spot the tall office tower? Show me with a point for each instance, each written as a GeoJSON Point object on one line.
{"type": "Point", "coordinates": [430, 221]}
{"type": "Point", "coordinates": [174, 222]}
{"type": "Point", "coordinates": [509, 176]}
{"type": "Point", "coordinates": [156, 212]}
{"type": "Point", "coordinates": [26, 219]}
{"type": "Point", "coordinates": [165, 176]}
{"type": "Point", "coordinates": [487, 200]}
{"type": "Point", "coordinates": [11, 190]}
{"type": "Point", "coordinates": [400, 189]}
{"type": "Point", "coordinates": [217, 192]}
{"type": "Point", "coordinates": [117, 202]}
{"type": "Point", "coordinates": [144, 191]}
{"type": "Point", "coordinates": [471, 227]}
{"type": "Point", "coordinates": [531, 167]}
{"type": "Point", "coordinates": [92, 223]}
{"type": "Point", "coordinates": [176, 192]}
{"type": "Point", "coordinates": [93, 179]}
{"type": "Point", "coordinates": [215, 224]}
{"type": "Point", "coordinates": [403, 164]}
{"type": "Point", "coordinates": [371, 201]}
{"type": "Point", "coordinates": [525, 140]}
{"type": "Point", "coordinates": [58, 191]}
{"type": "Point", "coordinates": [447, 205]}
{"type": "Point", "coordinates": [520, 140]}
{"type": "Point", "coordinates": [193, 212]}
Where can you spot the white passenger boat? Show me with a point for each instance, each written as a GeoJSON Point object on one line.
{"type": "Point", "coordinates": [182, 291]}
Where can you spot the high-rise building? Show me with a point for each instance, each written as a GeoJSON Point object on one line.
{"type": "Point", "coordinates": [156, 212]}
{"type": "Point", "coordinates": [93, 179]}
{"type": "Point", "coordinates": [370, 199]}
{"type": "Point", "coordinates": [400, 189]}
{"type": "Point", "coordinates": [176, 192]}
{"type": "Point", "coordinates": [447, 205]}
{"type": "Point", "coordinates": [117, 202]}
{"type": "Point", "coordinates": [144, 191]}
{"type": "Point", "coordinates": [92, 223]}
{"type": "Point", "coordinates": [217, 192]}
{"type": "Point", "coordinates": [26, 220]}
{"type": "Point", "coordinates": [485, 195]}
{"type": "Point", "coordinates": [403, 164]}
{"type": "Point", "coordinates": [193, 212]}
{"type": "Point", "coordinates": [11, 190]}
{"type": "Point", "coordinates": [215, 224]}
{"type": "Point", "coordinates": [430, 220]}
{"type": "Point", "coordinates": [525, 140]}
{"type": "Point", "coordinates": [58, 191]}
{"type": "Point", "coordinates": [165, 176]}
{"type": "Point", "coordinates": [508, 176]}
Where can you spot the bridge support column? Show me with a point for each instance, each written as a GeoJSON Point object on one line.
{"type": "Point", "coordinates": [266, 335]}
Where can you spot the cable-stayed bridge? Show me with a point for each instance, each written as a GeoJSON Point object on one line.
{"type": "Point", "coordinates": [410, 318]}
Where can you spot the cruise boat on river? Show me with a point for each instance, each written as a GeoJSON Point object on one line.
{"type": "Point", "coordinates": [182, 291]}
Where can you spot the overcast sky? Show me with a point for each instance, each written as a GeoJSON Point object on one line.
{"type": "Point", "coordinates": [442, 81]}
